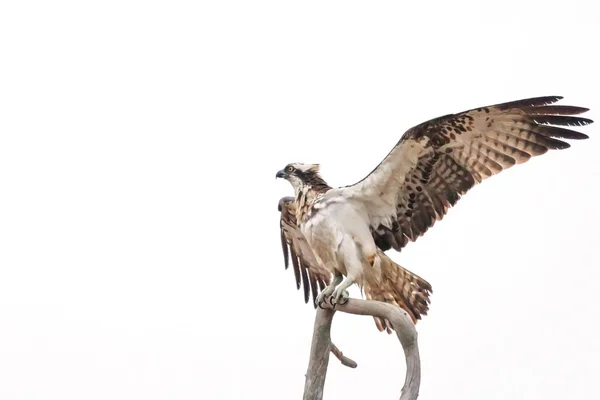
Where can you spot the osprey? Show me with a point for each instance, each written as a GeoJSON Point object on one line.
{"type": "Point", "coordinates": [334, 233]}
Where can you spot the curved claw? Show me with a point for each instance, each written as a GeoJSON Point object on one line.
{"type": "Point", "coordinates": [325, 295]}
{"type": "Point", "coordinates": [333, 302]}
{"type": "Point", "coordinates": [339, 297]}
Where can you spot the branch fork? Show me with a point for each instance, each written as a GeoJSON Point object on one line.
{"type": "Point", "coordinates": [322, 345]}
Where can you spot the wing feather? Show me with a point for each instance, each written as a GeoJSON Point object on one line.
{"type": "Point", "coordinates": [309, 274]}
{"type": "Point", "coordinates": [438, 161]}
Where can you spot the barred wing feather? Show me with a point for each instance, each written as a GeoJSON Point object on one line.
{"type": "Point", "coordinates": [438, 161]}
{"type": "Point", "coordinates": [309, 274]}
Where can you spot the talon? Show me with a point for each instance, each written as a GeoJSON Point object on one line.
{"type": "Point", "coordinates": [340, 297]}
{"type": "Point", "coordinates": [325, 295]}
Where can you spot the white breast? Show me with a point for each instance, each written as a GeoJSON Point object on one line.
{"type": "Point", "coordinates": [332, 219]}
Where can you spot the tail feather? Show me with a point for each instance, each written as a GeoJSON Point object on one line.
{"type": "Point", "coordinates": [395, 285]}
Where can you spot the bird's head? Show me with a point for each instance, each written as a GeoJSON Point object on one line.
{"type": "Point", "coordinates": [303, 176]}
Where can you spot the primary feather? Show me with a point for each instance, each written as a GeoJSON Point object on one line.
{"type": "Point", "coordinates": [438, 161]}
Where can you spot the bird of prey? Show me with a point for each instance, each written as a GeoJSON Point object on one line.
{"type": "Point", "coordinates": [393, 284]}
{"type": "Point", "coordinates": [340, 232]}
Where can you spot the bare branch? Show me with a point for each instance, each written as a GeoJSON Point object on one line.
{"type": "Point", "coordinates": [319, 355]}
{"type": "Point", "coordinates": [321, 345]}
{"type": "Point", "coordinates": [348, 362]}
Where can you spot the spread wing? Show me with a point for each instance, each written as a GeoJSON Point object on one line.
{"type": "Point", "coordinates": [438, 161]}
{"type": "Point", "coordinates": [310, 275]}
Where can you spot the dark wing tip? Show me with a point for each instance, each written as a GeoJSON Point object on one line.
{"type": "Point", "coordinates": [549, 120]}
{"type": "Point", "coordinates": [530, 102]}
{"type": "Point", "coordinates": [305, 284]}
{"type": "Point", "coordinates": [555, 110]}
{"type": "Point", "coordinates": [285, 250]}
{"type": "Point", "coordinates": [582, 136]}
{"type": "Point", "coordinates": [561, 120]}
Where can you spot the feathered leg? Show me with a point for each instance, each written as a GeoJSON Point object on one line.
{"type": "Point", "coordinates": [352, 259]}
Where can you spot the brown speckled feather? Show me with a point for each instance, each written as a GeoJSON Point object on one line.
{"type": "Point", "coordinates": [415, 185]}
{"type": "Point", "coordinates": [465, 149]}
{"type": "Point", "coordinates": [309, 274]}
{"type": "Point", "coordinates": [395, 285]}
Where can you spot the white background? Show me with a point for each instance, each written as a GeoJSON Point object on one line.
{"type": "Point", "coordinates": [139, 242]}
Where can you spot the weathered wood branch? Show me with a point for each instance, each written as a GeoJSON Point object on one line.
{"type": "Point", "coordinates": [321, 345]}
{"type": "Point", "coordinates": [348, 362]}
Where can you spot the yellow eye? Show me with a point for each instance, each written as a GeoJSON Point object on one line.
{"type": "Point", "coordinates": [290, 169]}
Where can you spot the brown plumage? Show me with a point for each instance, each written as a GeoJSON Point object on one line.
{"type": "Point", "coordinates": [424, 175]}
{"type": "Point", "coordinates": [468, 148]}
{"type": "Point", "coordinates": [395, 285]}
{"type": "Point", "coordinates": [310, 275]}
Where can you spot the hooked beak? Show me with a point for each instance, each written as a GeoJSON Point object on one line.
{"type": "Point", "coordinates": [281, 174]}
